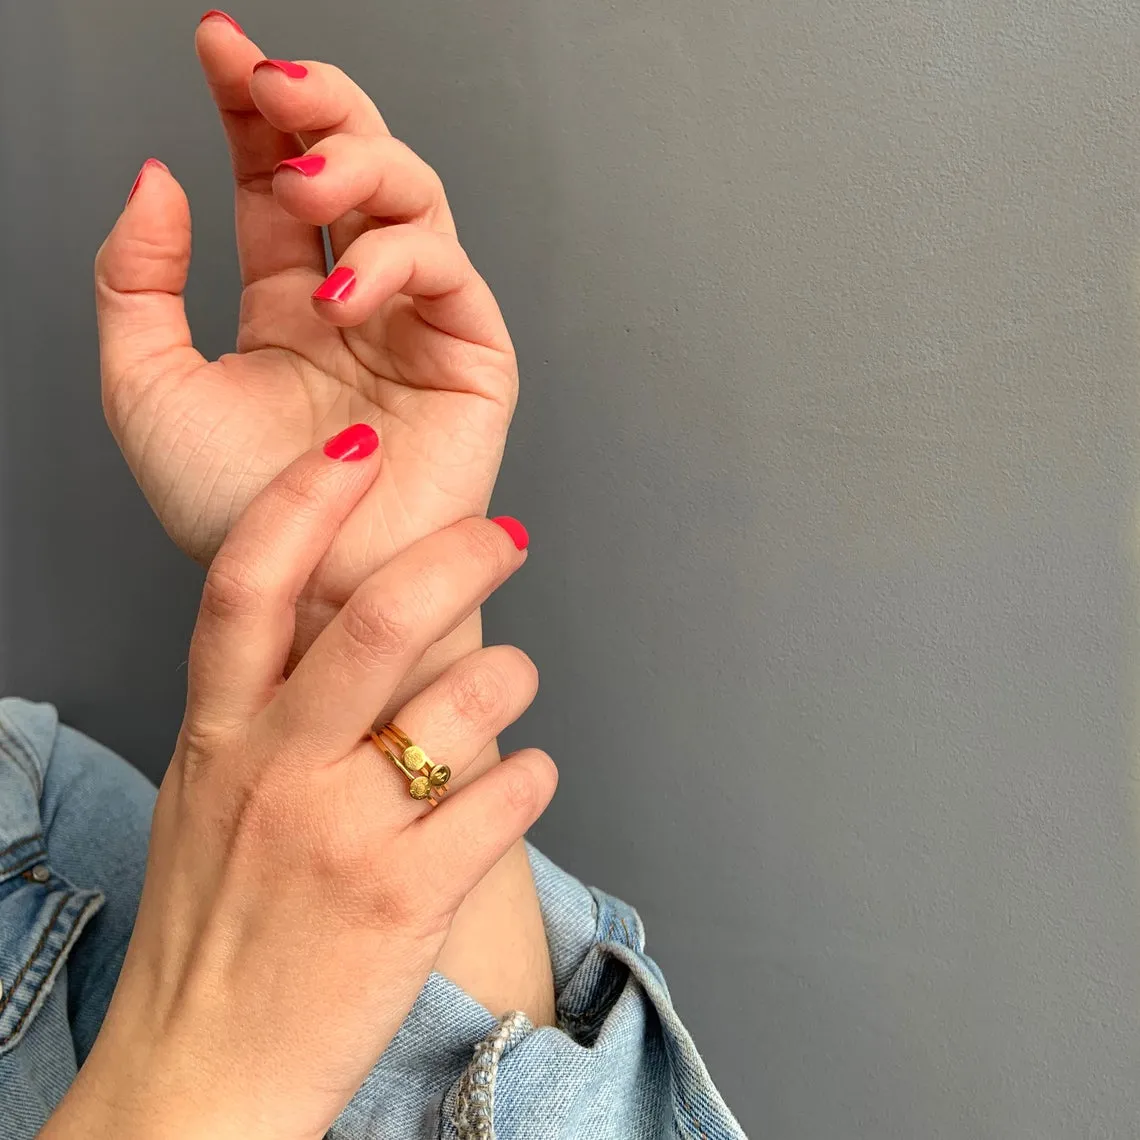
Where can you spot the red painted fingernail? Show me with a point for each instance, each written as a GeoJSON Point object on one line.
{"type": "Point", "coordinates": [285, 66]}
{"type": "Point", "coordinates": [216, 12]}
{"type": "Point", "coordinates": [306, 164]}
{"type": "Point", "coordinates": [515, 529]}
{"type": "Point", "coordinates": [145, 167]}
{"type": "Point", "coordinates": [356, 442]}
{"type": "Point", "coordinates": [336, 286]}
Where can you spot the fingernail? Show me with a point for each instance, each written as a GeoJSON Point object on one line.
{"type": "Point", "coordinates": [215, 12]}
{"type": "Point", "coordinates": [336, 286]}
{"type": "Point", "coordinates": [356, 442]}
{"type": "Point", "coordinates": [285, 66]}
{"type": "Point", "coordinates": [515, 529]}
{"type": "Point", "coordinates": [145, 167]}
{"type": "Point", "coordinates": [306, 164]}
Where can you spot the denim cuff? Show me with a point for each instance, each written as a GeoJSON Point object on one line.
{"type": "Point", "coordinates": [618, 1065]}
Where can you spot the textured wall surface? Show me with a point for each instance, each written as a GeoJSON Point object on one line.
{"type": "Point", "coordinates": [828, 445]}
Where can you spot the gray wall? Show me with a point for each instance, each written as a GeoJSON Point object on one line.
{"type": "Point", "coordinates": [828, 445]}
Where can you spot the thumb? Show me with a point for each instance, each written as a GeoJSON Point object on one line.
{"type": "Point", "coordinates": [140, 273]}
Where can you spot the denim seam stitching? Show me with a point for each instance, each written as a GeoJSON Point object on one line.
{"type": "Point", "coordinates": [49, 926]}
{"type": "Point", "coordinates": [20, 842]}
{"type": "Point", "coordinates": [65, 945]}
{"type": "Point", "coordinates": [693, 1117]}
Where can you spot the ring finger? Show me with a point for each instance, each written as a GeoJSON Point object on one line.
{"type": "Point", "coordinates": [453, 720]}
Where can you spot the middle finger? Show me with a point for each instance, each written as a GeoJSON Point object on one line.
{"type": "Point", "coordinates": [376, 175]}
{"type": "Point", "coordinates": [316, 101]}
{"type": "Point", "coordinates": [332, 698]}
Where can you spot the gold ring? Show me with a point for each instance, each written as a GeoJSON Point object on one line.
{"type": "Point", "coordinates": [426, 781]}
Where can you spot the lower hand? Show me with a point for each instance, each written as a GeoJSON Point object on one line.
{"type": "Point", "coordinates": [296, 897]}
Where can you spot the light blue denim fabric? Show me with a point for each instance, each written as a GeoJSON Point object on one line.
{"type": "Point", "coordinates": [74, 821]}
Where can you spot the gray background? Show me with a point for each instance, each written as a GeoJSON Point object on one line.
{"type": "Point", "coordinates": [828, 445]}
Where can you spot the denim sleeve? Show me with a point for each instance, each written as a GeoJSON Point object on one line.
{"type": "Point", "coordinates": [74, 824]}
{"type": "Point", "coordinates": [74, 819]}
{"type": "Point", "coordinates": [619, 1065]}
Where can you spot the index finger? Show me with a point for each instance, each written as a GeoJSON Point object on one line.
{"type": "Point", "coordinates": [269, 239]}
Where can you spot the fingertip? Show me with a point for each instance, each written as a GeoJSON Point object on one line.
{"type": "Point", "coordinates": [287, 67]}
{"type": "Point", "coordinates": [337, 287]}
{"type": "Point", "coordinates": [150, 164]}
{"type": "Point", "coordinates": [218, 14]}
{"type": "Point", "coordinates": [308, 165]}
{"type": "Point", "coordinates": [518, 533]}
{"type": "Point", "coordinates": [148, 245]}
{"type": "Point", "coordinates": [356, 442]}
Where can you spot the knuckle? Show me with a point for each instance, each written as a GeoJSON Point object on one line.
{"type": "Point", "coordinates": [485, 549]}
{"type": "Point", "coordinates": [521, 791]}
{"type": "Point", "coordinates": [233, 588]}
{"type": "Point", "coordinates": [482, 695]}
{"type": "Point", "coordinates": [379, 629]}
{"type": "Point", "coordinates": [433, 183]}
{"type": "Point", "coordinates": [199, 741]}
{"type": "Point", "coordinates": [300, 490]}
{"type": "Point", "coordinates": [453, 249]}
{"type": "Point", "coordinates": [425, 172]}
{"type": "Point", "coordinates": [528, 670]}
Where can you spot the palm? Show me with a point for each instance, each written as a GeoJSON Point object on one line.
{"type": "Point", "coordinates": [442, 445]}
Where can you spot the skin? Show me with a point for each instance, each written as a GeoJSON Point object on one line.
{"type": "Point", "coordinates": [269, 773]}
{"type": "Point", "coordinates": [418, 350]}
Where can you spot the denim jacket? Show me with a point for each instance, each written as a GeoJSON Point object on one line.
{"type": "Point", "coordinates": [74, 821]}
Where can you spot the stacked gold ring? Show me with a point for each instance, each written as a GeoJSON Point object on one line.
{"type": "Point", "coordinates": [426, 781]}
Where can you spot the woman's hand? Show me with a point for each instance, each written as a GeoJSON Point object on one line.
{"type": "Point", "coordinates": [296, 897]}
{"type": "Point", "coordinates": [417, 349]}
{"type": "Point", "coordinates": [403, 334]}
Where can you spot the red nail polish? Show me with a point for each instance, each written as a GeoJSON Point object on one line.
{"type": "Point", "coordinates": [337, 285]}
{"type": "Point", "coordinates": [356, 442]}
{"type": "Point", "coordinates": [145, 167]}
{"type": "Point", "coordinates": [306, 164]}
{"type": "Point", "coordinates": [215, 12]}
{"type": "Point", "coordinates": [285, 66]}
{"type": "Point", "coordinates": [515, 529]}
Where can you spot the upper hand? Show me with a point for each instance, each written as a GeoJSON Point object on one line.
{"type": "Point", "coordinates": [417, 348]}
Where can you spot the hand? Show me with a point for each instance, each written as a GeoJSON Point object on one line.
{"type": "Point", "coordinates": [409, 339]}
{"type": "Point", "coordinates": [296, 897]}
{"type": "Point", "coordinates": [418, 350]}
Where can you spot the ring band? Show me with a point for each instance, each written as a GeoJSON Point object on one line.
{"type": "Point", "coordinates": [426, 781]}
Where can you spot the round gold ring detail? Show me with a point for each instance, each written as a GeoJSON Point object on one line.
{"type": "Point", "coordinates": [426, 781]}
